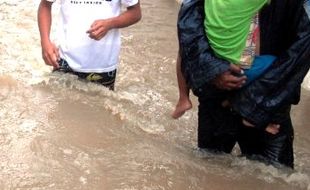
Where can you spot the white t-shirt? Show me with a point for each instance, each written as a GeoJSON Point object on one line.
{"type": "Point", "coordinates": [82, 53]}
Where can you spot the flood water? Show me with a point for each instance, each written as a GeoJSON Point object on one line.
{"type": "Point", "coordinates": [59, 133]}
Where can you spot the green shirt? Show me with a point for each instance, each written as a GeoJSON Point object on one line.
{"type": "Point", "coordinates": [227, 25]}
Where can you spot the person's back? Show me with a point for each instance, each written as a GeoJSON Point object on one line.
{"type": "Point", "coordinates": [227, 26]}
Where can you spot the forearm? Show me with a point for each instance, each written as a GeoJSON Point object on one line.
{"type": "Point", "coordinates": [50, 52]}
{"type": "Point", "coordinates": [44, 21]}
{"type": "Point", "coordinates": [131, 16]}
{"type": "Point", "coordinates": [101, 27]}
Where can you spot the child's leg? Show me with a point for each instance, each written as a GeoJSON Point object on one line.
{"type": "Point", "coordinates": [184, 102]}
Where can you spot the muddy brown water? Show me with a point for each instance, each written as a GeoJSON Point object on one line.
{"type": "Point", "coordinates": [60, 133]}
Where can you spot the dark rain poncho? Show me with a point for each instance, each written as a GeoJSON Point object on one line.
{"type": "Point", "coordinates": [285, 33]}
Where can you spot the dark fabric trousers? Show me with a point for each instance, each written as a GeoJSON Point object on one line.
{"type": "Point", "coordinates": [220, 128]}
{"type": "Point", "coordinates": [106, 79]}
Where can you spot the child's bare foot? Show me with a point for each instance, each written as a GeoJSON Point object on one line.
{"type": "Point", "coordinates": [273, 128]}
{"type": "Point", "coordinates": [181, 108]}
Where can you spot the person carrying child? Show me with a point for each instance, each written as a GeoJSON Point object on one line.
{"type": "Point", "coordinates": [234, 36]}
{"type": "Point", "coordinates": [285, 34]}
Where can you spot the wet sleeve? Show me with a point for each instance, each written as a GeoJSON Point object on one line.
{"type": "Point", "coordinates": [199, 64]}
{"type": "Point", "coordinates": [280, 85]}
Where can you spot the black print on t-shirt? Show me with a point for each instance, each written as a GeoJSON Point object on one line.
{"type": "Point", "coordinates": [88, 2]}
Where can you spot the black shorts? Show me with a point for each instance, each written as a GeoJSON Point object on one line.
{"type": "Point", "coordinates": [106, 79]}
